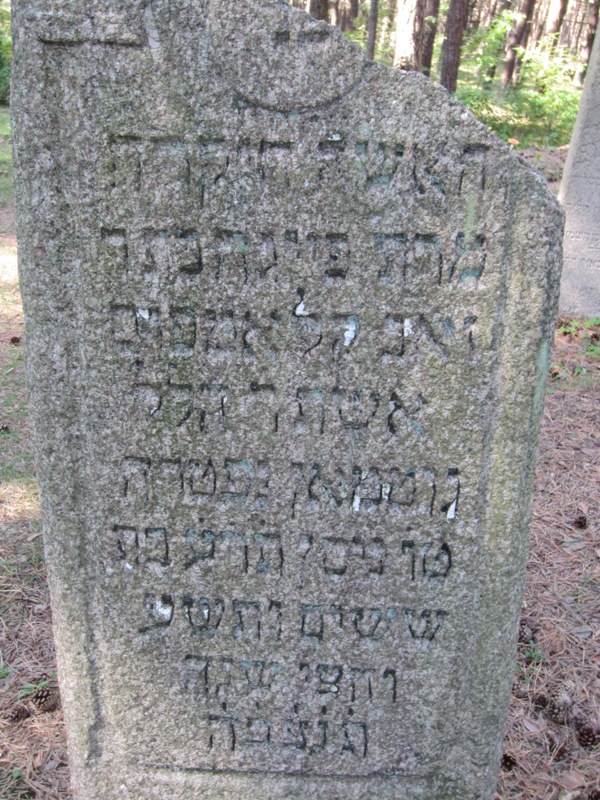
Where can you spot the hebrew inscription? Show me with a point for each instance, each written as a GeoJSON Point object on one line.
{"type": "Point", "coordinates": [288, 314]}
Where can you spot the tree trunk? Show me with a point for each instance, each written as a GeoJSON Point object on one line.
{"type": "Point", "coordinates": [514, 40]}
{"type": "Point", "coordinates": [556, 15]}
{"type": "Point", "coordinates": [571, 28]}
{"type": "Point", "coordinates": [590, 34]}
{"type": "Point", "coordinates": [490, 14]}
{"type": "Point", "coordinates": [349, 12]}
{"type": "Point", "coordinates": [319, 9]}
{"type": "Point", "coordinates": [504, 5]}
{"type": "Point", "coordinates": [580, 26]}
{"type": "Point", "coordinates": [522, 46]}
{"type": "Point", "coordinates": [425, 52]}
{"type": "Point", "coordinates": [473, 14]}
{"type": "Point", "coordinates": [455, 27]}
{"type": "Point", "coordinates": [409, 22]}
{"type": "Point", "coordinates": [540, 21]}
{"type": "Point", "coordinates": [372, 29]}
{"type": "Point", "coordinates": [383, 41]}
{"type": "Point", "coordinates": [334, 12]}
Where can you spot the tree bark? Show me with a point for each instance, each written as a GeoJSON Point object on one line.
{"type": "Point", "coordinates": [504, 5]}
{"type": "Point", "coordinates": [385, 28]}
{"type": "Point", "coordinates": [349, 12]}
{"type": "Point", "coordinates": [514, 40]}
{"type": "Point", "coordinates": [540, 21]}
{"type": "Point", "coordinates": [334, 12]}
{"type": "Point", "coordinates": [372, 29]}
{"type": "Point", "coordinates": [590, 35]}
{"type": "Point", "coordinates": [554, 21]}
{"type": "Point", "coordinates": [490, 14]}
{"type": "Point", "coordinates": [425, 51]}
{"type": "Point", "coordinates": [473, 14]}
{"type": "Point", "coordinates": [455, 27]}
{"type": "Point", "coordinates": [319, 9]}
{"type": "Point", "coordinates": [579, 27]}
{"type": "Point", "coordinates": [409, 23]}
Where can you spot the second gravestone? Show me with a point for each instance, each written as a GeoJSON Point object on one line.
{"type": "Point", "coordinates": [288, 320]}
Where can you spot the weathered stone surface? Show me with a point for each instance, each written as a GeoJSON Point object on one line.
{"type": "Point", "coordinates": [288, 319]}
{"type": "Point", "coordinates": [580, 195]}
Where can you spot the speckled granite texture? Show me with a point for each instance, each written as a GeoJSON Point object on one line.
{"type": "Point", "coordinates": [288, 318]}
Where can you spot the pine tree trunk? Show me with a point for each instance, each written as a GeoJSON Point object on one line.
{"type": "Point", "coordinates": [425, 52]}
{"type": "Point", "coordinates": [590, 34]}
{"type": "Point", "coordinates": [455, 27]}
{"type": "Point", "coordinates": [319, 9]}
{"type": "Point", "coordinates": [409, 21]}
{"type": "Point", "coordinates": [383, 39]}
{"type": "Point", "coordinates": [472, 13]}
{"type": "Point", "coordinates": [522, 46]}
{"type": "Point", "coordinates": [556, 15]}
{"type": "Point", "coordinates": [475, 15]}
{"type": "Point", "coordinates": [490, 14]}
{"type": "Point", "coordinates": [372, 29]}
{"type": "Point", "coordinates": [334, 12]}
{"type": "Point", "coordinates": [514, 41]}
{"type": "Point", "coordinates": [540, 21]}
{"type": "Point", "coordinates": [572, 26]}
{"type": "Point", "coordinates": [579, 27]}
{"type": "Point", "coordinates": [504, 5]}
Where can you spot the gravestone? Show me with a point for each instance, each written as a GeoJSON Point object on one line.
{"type": "Point", "coordinates": [288, 318]}
{"type": "Point", "coordinates": [580, 195]}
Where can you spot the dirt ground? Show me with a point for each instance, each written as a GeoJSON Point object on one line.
{"type": "Point", "coordinates": [549, 162]}
{"type": "Point", "coordinates": [552, 746]}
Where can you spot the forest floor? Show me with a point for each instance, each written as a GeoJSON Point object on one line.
{"type": "Point", "coordinates": [552, 746]}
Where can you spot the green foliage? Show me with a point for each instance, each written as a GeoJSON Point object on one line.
{"type": "Point", "coordinates": [436, 59]}
{"type": "Point", "coordinates": [540, 112]}
{"type": "Point", "coordinates": [483, 52]}
{"type": "Point", "coordinates": [385, 23]}
{"type": "Point", "coordinates": [569, 328]}
{"type": "Point", "coordinates": [358, 32]}
{"type": "Point", "coordinates": [593, 351]}
{"type": "Point", "coordinates": [5, 51]}
{"type": "Point", "coordinates": [575, 327]}
{"type": "Point", "coordinates": [533, 654]}
{"type": "Point", "coordinates": [30, 688]}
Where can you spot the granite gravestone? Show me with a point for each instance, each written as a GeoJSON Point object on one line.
{"type": "Point", "coordinates": [580, 195]}
{"type": "Point", "coordinates": [288, 319]}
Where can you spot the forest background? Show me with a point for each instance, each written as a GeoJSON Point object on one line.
{"type": "Point", "coordinates": [519, 65]}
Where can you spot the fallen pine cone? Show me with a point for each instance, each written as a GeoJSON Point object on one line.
{"type": "Point", "coordinates": [45, 699]}
{"type": "Point", "coordinates": [528, 628]}
{"type": "Point", "coordinates": [580, 521]}
{"type": "Point", "coordinates": [588, 736]}
{"type": "Point", "coordinates": [19, 712]}
{"type": "Point", "coordinates": [508, 762]}
{"type": "Point", "coordinates": [559, 706]}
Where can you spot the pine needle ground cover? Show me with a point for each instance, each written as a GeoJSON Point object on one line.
{"type": "Point", "coordinates": [552, 746]}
